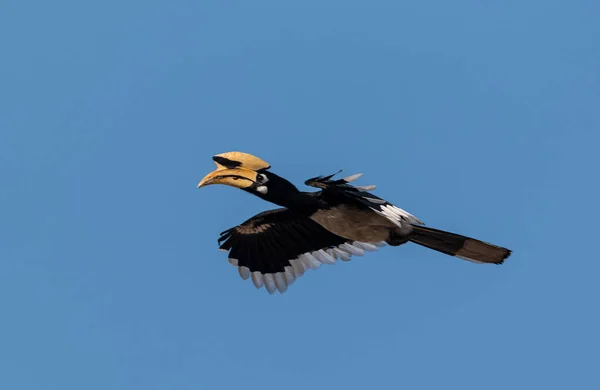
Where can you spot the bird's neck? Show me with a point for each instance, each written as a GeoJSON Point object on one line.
{"type": "Point", "coordinates": [302, 202]}
{"type": "Point", "coordinates": [290, 197]}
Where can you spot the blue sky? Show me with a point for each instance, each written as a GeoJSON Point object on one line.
{"type": "Point", "coordinates": [478, 117]}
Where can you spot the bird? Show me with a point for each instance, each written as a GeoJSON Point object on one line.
{"type": "Point", "coordinates": [336, 222]}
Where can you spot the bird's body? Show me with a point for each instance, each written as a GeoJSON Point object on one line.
{"type": "Point", "coordinates": [355, 223]}
{"type": "Point", "coordinates": [336, 222]}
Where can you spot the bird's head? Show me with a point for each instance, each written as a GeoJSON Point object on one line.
{"type": "Point", "coordinates": [249, 173]}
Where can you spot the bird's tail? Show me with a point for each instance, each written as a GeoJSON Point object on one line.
{"type": "Point", "coordinates": [460, 246]}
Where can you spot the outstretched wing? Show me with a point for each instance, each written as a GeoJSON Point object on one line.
{"type": "Point", "coordinates": [275, 247]}
{"type": "Point", "coordinates": [341, 188]}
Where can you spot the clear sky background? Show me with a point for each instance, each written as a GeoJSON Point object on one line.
{"type": "Point", "coordinates": [480, 117]}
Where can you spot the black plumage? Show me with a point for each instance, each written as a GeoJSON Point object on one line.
{"type": "Point", "coordinates": [268, 241]}
{"type": "Point", "coordinates": [340, 220]}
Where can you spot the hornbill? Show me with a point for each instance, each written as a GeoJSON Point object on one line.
{"type": "Point", "coordinates": [275, 247]}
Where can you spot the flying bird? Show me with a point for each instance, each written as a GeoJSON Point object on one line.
{"type": "Point", "coordinates": [338, 221]}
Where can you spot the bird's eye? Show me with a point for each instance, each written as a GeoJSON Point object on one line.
{"type": "Point", "coordinates": [261, 178]}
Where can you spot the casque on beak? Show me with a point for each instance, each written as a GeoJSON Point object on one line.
{"type": "Point", "coordinates": [235, 169]}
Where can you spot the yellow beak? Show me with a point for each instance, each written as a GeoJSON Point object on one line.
{"type": "Point", "coordinates": [236, 177]}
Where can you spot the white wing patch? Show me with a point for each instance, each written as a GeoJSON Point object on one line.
{"type": "Point", "coordinates": [366, 188]}
{"type": "Point", "coordinates": [352, 178]}
{"type": "Point", "coordinates": [280, 281]}
{"type": "Point", "coordinates": [396, 214]}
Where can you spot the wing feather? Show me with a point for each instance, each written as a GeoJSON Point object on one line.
{"type": "Point", "coordinates": [340, 188]}
{"type": "Point", "coordinates": [276, 247]}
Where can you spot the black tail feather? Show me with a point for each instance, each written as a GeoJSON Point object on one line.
{"type": "Point", "coordinates": [452, 244]}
